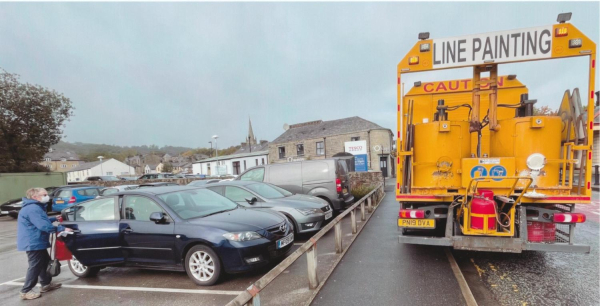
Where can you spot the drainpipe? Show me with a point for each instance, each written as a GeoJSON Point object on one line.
{"type": "Point", "coordinates": [369, 152]}
{"type": "Point", "coordinates": [325, 146]}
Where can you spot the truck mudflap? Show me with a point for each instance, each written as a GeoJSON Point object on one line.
{"type": "Point", "coordinates": [493, 244]}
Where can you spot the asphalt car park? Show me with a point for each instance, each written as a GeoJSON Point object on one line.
{"type": "Point", "coordinates": [126, 286]}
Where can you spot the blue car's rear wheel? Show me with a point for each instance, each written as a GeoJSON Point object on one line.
{"type": "Point", "coordinates": [203, 265]}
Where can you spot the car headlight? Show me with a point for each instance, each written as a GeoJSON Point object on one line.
{"type": "Point", "coordinates": [308, 211]}
{"type": "Point", "coordinates": [242, 236]}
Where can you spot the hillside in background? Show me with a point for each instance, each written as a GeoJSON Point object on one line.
{"type": "Point", "coordinates": [90, 151]}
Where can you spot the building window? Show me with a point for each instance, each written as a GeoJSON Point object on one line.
{"type": "Point", "coordinates": [263, 160]}
{"type": "Point", "coordinates": [48, 159]}
{"type": "Point", "coordinates": [300, 149]}
{"type": "Point", "coordinates": [281, 152]}
{"type": "Point", "coordinates": [256, 162]}
{"type": "Point", "coordinates": [49, 166]}
{"type": "Point", "coordinates": [73, 165]}
{"type": "Point", "coordinates": [244, 165]}
{"type": "Point", "coordinates": [63, 166]}
{"type": "Point", "coordinates": [355, 138]}
{"type": "Point", "coordinates": [236, 167]}
{"type": "Point", "coordinates": [320, 148]}
{"type": "Point", "coordinates": [63, 159]}
{"type": "Point", "coordinates": [109, 173]}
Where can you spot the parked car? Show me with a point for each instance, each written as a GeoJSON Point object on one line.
{"type": "Point", "coordinates": [71, 196]}
{"type": "Point", "coordinates": [11, 207]}
{"type": "Point", "coordinates": [203, 182]}
{"type": "Point", "coordinates": [128, 178]}
{"type": "Point", "coordinates": [153, 176]}
{"type": "Point", "coordinates": [307, 213]}
{"type": "Point", "coordinates": [101, 178]}
{"type": "Point", "coordinates": [325, 178]}
{"type": "Point", "coordinates": [115, 189]}
{"type": "Point", "coordinates": [174, 228]}
{"type": "Point", "coordinates": [195, 176]}
{"type": "Point", "coordinates": [158, 184]}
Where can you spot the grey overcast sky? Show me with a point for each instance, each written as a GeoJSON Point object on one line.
{"type": "Point", "coordinates": [178, 73]}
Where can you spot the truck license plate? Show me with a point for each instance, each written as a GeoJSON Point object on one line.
{"type": "Point", "coordinates": [285, 241]}
{"type": "Point", "coordinates": [417, 223]}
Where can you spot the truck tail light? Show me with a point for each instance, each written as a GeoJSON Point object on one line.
{"type": "Point", "coordinates": [411, 213]}
{"type": "Point", "coordinates": [338, 185]}
{"type": "Point", "coordinates": [569, 218]}
{"type": "Point", "coordinates": [72, 200]}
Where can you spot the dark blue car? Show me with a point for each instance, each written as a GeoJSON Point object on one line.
{"type": "Point", "coordinates": [174, 228]}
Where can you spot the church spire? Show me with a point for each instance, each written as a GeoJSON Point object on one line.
{"type": "Point", "coordinates": [251, 138]}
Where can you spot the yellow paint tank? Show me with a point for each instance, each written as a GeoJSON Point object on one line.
{"type": "Point", "coordinates": [438, 151]}
{"type": "Point", "coordinates": [521, 137]}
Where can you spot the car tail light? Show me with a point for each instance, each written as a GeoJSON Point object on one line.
{"type": "Point", "coordinates": [569, 218]}
{"type": "Point", "coordinates": [338, 185]}
{"type": "Point", "coordinates": [411, 213]}
{"type": "Point", "coordinates": [72, 200]}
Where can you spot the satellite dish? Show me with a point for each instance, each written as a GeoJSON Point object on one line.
{"type": "Point", "coordinates": [286, 126]}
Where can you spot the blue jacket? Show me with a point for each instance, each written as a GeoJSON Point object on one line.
{"type": "Point", "coordinates": [34, 226]}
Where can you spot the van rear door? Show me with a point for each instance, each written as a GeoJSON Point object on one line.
{"type": "Point", "coordinates": [342, 175]}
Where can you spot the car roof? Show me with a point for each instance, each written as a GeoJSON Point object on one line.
{"type": "Point", "coordinates": [235, 183]}
{"type": "Point", "coordinates": [156, 191]}
{"type": "Point", "coordinates": [157, 183]}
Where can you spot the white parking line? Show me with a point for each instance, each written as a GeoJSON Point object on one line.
{"type": "Point", "coordinates": [146, 289]}
{"type": "Point", "coordinates": [16, 279]}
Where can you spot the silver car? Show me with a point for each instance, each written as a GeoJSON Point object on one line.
{"type": "Point", "coordinates": [307, 213]}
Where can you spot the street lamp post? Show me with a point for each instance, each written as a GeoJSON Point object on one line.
{"type": "Point", "coordinates": [101, 170]}
{"type": "Point", "coordinates": [210, 149]}
{"type": "Point", "coordinates": [216, 152]}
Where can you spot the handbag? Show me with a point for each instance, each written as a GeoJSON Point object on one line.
{"type": "Point", "coordinates": [54, 265]}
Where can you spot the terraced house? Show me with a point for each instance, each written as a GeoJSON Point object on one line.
{"type": "Point", "coordinates": [60, 161]}
{"type": "Point", "coordinates": [325, 139]}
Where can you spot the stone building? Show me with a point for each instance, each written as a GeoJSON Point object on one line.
{"type": "Point", "coordinates": [59, 161]}
{"type": "Point", "coordinates": [323, 139]}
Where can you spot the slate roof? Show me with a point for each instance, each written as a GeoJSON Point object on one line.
{"type": "Point", "coordinates": [89, 165]}
{"type": "Point", "coordinates": [58, 155]}
{"type": "Point", "coordinates": [319, 129]}
{"type": "Point", "coordinates": [256, 147]}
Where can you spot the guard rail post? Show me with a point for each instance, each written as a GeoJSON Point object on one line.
{"type": "Point", "coordinates": [311, 259]}
{"type": "Point", "coordinates": [338, 238]}
{"type": "Point", "coordinates": [353, 221]}
{"type": "Point", "coordinates": [370, 205]}
{"type": "Point", "coordinates": [363, 217]}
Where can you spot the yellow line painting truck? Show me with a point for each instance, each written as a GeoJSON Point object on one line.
{"type": "Point", "coordinates": [478, 168]}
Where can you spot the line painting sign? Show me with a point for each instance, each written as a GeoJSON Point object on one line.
{"type": "Point", "coordinates": [496, 47]}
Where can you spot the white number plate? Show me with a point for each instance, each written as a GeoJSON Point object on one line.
{"type": "Point", "coordinates": [328, 215]}
{"type": "Point", "coordinates": [285, 241]}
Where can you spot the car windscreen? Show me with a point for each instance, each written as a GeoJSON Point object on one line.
{"type": "Point", "coordinates": [197, 203]}
{"type": "Point", "coordinates": [266, 191]}
{"type": "Point", "coordinates": [109, 178]}
{"type": "Point", "coordinates": [285, 192]}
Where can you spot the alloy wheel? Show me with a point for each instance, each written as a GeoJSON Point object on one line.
{"type": "Point", "coordinates": [77, 266]}
{"type": "Point", "coordinates": [202, 266]}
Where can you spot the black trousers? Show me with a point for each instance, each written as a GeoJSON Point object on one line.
{"type": "Point", "coordinates": [38, 263]}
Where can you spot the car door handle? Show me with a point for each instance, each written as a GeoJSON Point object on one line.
{"type": "Point", "coordinates": [128, 230]}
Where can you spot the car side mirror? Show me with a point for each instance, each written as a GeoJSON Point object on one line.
{"type": "Point", "coordinates": [157, 217]}
{"type": "Point", "coordinates": [252, 201]}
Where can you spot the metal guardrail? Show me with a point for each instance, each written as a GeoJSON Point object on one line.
{"type": "Point", "coordinates": [252, 294]}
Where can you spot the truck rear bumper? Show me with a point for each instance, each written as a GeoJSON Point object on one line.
{"type": "Point", "coordinates": [494, 244]}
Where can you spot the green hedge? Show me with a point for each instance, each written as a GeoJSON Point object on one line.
{"type": "Point", "coordinates": [360, 192]}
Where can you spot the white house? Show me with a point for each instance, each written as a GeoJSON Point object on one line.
{"type": "Point", "coordinates": [106, 167]}
{"type": "Point", "coordinates": [230, 164]}
{"type": "Point", "coordinates": [153, 168]}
